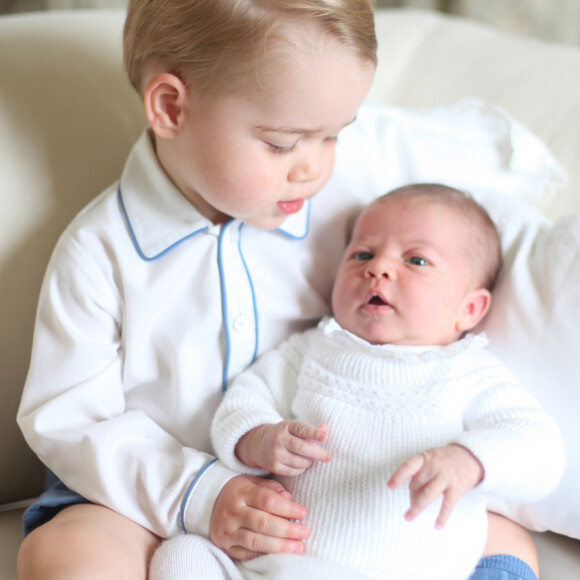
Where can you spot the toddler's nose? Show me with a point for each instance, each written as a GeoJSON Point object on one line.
{"type": "Point", "coordinates": [306, 170]}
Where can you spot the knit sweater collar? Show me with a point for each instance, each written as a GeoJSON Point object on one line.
{"type": "Point", "coordinates": [408, 353]}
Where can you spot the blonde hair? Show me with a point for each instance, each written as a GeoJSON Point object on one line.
{"type": "Point", "coordinates": [484, 245]}
{"type": "Point", "coordinates": [212, 43]}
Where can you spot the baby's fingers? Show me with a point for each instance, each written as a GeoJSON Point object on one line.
{"type": "Point", "coordinates": [423, 493]}
{"type": "Point", "coordinates": [306, 431]}
{"type": "Point", "coordinates": [309, 450]}
{"type": "Point", "coordinates": [406, 471]}
{"type": "Point", "coordinates": [450, 499]}
{"type": "Point", "coordinates": [306, 442]}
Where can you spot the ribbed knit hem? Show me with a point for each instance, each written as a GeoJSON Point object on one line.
{"type": "Point", "coordinates": [502, 567]}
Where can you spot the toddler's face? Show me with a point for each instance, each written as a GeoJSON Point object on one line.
{"type": "Point", "coordinates": [406, 276]}
{"type": "Point", "coordinates": [257, 156]}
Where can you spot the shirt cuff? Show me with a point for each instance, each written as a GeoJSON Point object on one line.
{"type": "Point", "coordinates": [200, 499]}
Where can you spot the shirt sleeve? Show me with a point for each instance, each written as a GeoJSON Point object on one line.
{"type": "Point", "coordinates": [518, 444]}
{"type": "Point", "coordinates": [261, 395]}
{"type": "Point", "coordinates": [76, 415]}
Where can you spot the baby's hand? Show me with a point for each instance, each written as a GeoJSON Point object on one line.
{"type": "Point", "coordinates": [451, 470]}
{"type": "Point", "coordinates": [287, 448]}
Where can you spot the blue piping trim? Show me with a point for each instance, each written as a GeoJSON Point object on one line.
{"type": "Point", "coordinates": [257, 338]}
{"type": "Point", "coordinates": [134, 237]}
{"type": "Point", "coordinates": [188, 493]}
{"type": "Point", "coordinates": [224, 307]}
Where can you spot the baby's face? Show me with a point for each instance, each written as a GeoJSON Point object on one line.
{"type": "Point", "coordinates": [406, 276]}
{"type": "Point", "coordinates": [259, 153]}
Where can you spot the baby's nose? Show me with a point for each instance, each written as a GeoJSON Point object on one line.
{"type": "Point", "coordinates": [381, 268]}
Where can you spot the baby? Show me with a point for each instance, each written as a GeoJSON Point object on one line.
{"type": "Point", "coordinates": [398, 421]}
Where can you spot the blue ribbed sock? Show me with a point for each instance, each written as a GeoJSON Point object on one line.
{"type": "Point", "coordinates": [502, 567]}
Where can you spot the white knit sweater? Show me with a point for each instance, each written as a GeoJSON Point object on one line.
{"type": "Point", "coordinates": [383, 404]}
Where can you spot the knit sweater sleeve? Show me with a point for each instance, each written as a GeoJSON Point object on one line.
{"type": "Point", "coordinates": [263, 394]}
{"type": "Point", "coordinates": [518, 444]}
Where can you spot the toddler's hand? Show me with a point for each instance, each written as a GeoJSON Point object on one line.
{"type": "Point", "coordinates": [252, 517]}
{"type": "Point", "coordinates": [287, 448]}
{"type": "Point", "coordinates": [451, 471]}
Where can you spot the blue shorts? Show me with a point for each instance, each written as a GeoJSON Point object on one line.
{"type": "Point", "coordinates": [502, 567]}
{"type": "Point", "coordinates": [55, 497]}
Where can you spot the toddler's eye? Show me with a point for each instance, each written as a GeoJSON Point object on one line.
{"type": "Point", "coordinates": [417, 261]}
{"type": "Point", "coordinates": [281, 150]}
{"type": "Point", "coordinates": [362, 256]}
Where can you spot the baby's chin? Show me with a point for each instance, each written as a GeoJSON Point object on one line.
{"type": "Point", "coordinates": [373, 333]}
{"type": "Point", "coordinates": [380, 333]}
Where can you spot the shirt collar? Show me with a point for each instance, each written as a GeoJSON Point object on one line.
{"type": "Point", "coordinates": [159, 216]}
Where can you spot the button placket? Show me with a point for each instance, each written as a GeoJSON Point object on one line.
{"type": "Point", "coordinates": [238, 297]}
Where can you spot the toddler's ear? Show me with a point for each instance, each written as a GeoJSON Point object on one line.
{"type": "Point", "coordinates": [164, 98]}
{"type": "Point", "coordinates": [475, 307]}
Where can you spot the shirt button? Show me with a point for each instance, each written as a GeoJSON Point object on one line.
{"type": "Point", "coordinates": [241, 323]}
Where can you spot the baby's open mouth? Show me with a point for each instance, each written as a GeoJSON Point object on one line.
{"type": "Point", "coordinates": [377, 305]}
{"type": "Point", "coordinates": [377, 301]}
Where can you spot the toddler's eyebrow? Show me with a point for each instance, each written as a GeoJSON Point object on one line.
{"type": "Point", "coordinates": [297, 130]}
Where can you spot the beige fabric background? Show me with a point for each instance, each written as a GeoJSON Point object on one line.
{"type": "Point", "coordinates": [552, 20]}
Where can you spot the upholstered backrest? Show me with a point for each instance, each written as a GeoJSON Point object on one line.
{"type": "Point", "coordinates": [68, 118]}
{"type": "Point", "coordinates": [428, 60]}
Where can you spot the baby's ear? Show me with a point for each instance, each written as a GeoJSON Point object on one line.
{"type": "Point", "coordinates": [475, 307]}
{"type": "Point", "coordinates": [165, 97]}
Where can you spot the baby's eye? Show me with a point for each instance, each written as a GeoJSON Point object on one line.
{"type": "Point", "coordinates": [417, 261]}
{"type": "Point", "coordinates": [362, 256]}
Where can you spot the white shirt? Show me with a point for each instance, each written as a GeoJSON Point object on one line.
{"type": "Point", "coordinates": [131, 352]}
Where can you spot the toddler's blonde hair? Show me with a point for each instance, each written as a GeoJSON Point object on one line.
{"type": "Point", "coordinates": [212, 44]}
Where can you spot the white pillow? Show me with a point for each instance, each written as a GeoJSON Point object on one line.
{"type": "Point", "coordinates": [534, 322]}
{"type": "Point", "coordinates": [534, 327]}
{"type": "Point", "coordinates": [470, 145]}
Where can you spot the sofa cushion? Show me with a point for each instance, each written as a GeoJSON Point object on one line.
{"type": "Point", "coordinates": [68, 118]}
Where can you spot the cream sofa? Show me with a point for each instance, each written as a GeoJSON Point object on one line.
{"type": "Point", "coordinates": [68, 118]}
